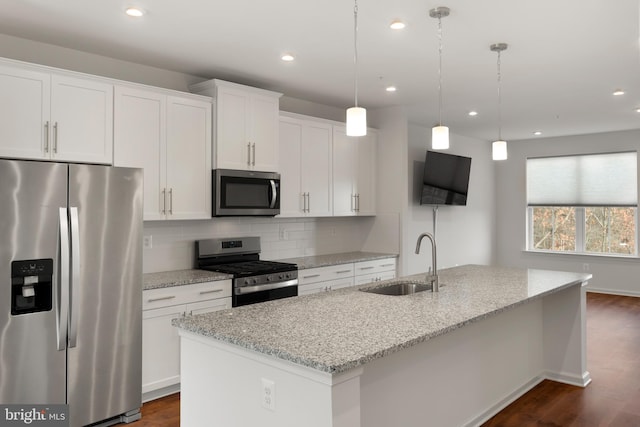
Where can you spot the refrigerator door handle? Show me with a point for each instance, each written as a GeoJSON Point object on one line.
{"type": "Point", "coordinates": [75, 276]}
{"type": "Point", "coordinates": [62, 298]}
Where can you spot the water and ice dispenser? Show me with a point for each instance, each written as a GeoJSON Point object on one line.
{"type": "Point", "coordinates": [31, 286]}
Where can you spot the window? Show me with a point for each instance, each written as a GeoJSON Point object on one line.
{"type": "Point", "coordinates": [583, 204]}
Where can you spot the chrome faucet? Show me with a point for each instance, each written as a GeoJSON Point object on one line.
{"type": "Point", "coordinates": [431, 277]}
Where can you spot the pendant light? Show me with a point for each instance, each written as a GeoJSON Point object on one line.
{"type": "Point", "coordinates": [439, 134]}
{"type": "Point", "coordinates": [356, 116]}
{"type": "Point", "coordinates": [499, 147]}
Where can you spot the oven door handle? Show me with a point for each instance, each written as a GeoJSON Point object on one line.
{"type": "Point", "coordinates": [274, 193]}
{"type": "Point", "coordinates": [241, 290]}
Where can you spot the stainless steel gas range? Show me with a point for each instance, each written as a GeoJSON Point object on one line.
{"type": "Point", "coordinates": [254, 280]}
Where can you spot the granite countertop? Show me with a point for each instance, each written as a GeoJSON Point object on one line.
{"type": "Point", "coordinates": [340, 330]}
{"type": "Point", "coordinates": [335, 259]}
{"type": "Point", "coordinates": [166, 279]}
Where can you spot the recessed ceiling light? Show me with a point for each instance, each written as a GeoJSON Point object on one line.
{"type": "Point", "coordinates": [537, 133]}
{"type": "Point", "coordinates": [396, 24]}
{"type": "Point", "coordinates": [638, 110]}
{"type": "Point", "coordinates": [390, 89]}
{"type": "Point", "coordinates": [618, 92]}
{"type": "Point", "coordinates": [134, 11]}
{"type": "Point", "coordinates": [473, 113]}
{"type": "Point", "coordinates": [288, 57]}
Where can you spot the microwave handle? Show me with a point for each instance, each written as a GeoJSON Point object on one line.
{"type": "Point", "coordinates": [274, 193]}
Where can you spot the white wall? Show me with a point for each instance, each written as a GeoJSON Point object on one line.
{"type": "Point", "coordinates": [610, 274]}
{"type": "Point", "coordinates": [464, 234]}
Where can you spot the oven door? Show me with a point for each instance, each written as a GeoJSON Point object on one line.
{"type": "Point", "coordinates": [244, 295]}
{"type": "Point", "coordinates": [245, 193]}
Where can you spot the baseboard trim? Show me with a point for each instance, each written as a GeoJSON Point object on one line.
{"type": "Point", "coordinates": [579, 381]}
{"type": "Point", "coordinates": [613, 292]}
{"type": "Point", "coordinates": [161, 392]}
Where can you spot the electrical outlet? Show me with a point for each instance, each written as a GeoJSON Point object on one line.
{"type": "Point", "coordinates": [585, 267]}
{"type": "Point", "coordinates": [268, 394]}
{"type": "Point", "coordinates": [147, 242]}
{"type": "Point", "coordinates": [284, 234]}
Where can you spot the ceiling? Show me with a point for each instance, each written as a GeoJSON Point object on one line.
{"type": "Point", "coordinates": [564, 60]}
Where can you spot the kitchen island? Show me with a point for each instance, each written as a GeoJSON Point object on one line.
{"type": "Point", "coordinates": [353, 358]}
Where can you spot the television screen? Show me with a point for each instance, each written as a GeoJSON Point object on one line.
{"type": "Point", "coordinates": [445, 180]}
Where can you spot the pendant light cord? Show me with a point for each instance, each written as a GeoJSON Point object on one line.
{"type": "Point", "coordinates": [440, 71]}
{"type": "Point", "coordinates": [499, 100]}
{"type": "Point", "coordinates": [355, 48]}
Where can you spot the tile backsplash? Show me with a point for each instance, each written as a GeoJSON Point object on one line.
{"type": "Point", "coordinates": [173, 247]}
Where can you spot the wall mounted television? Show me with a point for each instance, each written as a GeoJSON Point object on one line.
{"type": "Point", "coordinates": [445, 179]}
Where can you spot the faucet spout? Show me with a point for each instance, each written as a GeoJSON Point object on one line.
{"type": "Point", "coordinates": [431, 277]}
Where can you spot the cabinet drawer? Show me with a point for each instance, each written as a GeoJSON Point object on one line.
{"type": "Point", "coordinates": [322, 274]}
{"type": "Point", "coordinates": [325, 286]}
{"type": "Point", "coordinates": [165, 297]}
{"type": "Point", "coordinates": [374, 277]}
{"type": "Point", "coordinates": [375, 266]}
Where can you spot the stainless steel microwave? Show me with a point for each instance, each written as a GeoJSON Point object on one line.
{"type": "Point", "coordinates": [245, 193]}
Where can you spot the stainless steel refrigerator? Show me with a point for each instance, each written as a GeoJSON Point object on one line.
{"type": "Point", "coordinates": [71, 288]}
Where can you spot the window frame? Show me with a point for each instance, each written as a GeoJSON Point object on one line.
{"type": "Point", "coordinates": [580, 235]}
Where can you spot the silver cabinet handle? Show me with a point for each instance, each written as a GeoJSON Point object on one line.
{"type": "Point", "coordinates": [343, 271]}
{"type": "Point", "coordinates": [55, 137]}
{"type": "Point", "coordinates": [171, 201]}
{"type": "Point", "coordinates": [248, 153]}
{"type": "Point", "coordinates": [163, 209]}
{"type": "Point", "coordinates": [161, 298]}
{"type": "Point", "coordinates": [311, 276]}
{"type": "Point", "coordinates": [387, 265]}
{"type": "Point", "coordinates": [46, 136]}
{"type": "Point", "coordinates": [358, 202]}
{"type": "Point", "coordinates": [212, 291]}
{"type": "Point", "coordinates": [366, 268]}
{"type": "Point", "coordinates": [253, 149]}
{"type": "Point", "coordinates": [308, 202]}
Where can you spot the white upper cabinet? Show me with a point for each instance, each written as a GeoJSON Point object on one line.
{"type": "Point", "coordinates": [170, 137]}
{"type": "Point", "coordinates": [306, 180]}
{"type": "Point", "coordinates": [46, 116]}
{"type": "Point", "coordinates": [354, 160]}
{"type": "Point", "coordinates": [246, 125]}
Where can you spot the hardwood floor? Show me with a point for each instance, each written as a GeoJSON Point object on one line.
{"type": "Point", "coordinates": [611, 400]}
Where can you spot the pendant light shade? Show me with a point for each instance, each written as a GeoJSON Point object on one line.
{"type": "Point", "coordinates": [356, 121]}
{"type": "Point", "coordinates": [499, 147]}
{"type": "Point", "coordinates": [440, 137]}
{"type": "Point", "coordinates": [499, 150]}
{"type": "Point", "coordinates": [439, 134]}
{"type": "Point", "coordinates": [356, 116]}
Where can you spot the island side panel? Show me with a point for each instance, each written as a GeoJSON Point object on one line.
{"type": "Point", "coordinates": [565, 336]}
{"type": "Point", "coordinates": [461, 378]}
{"type": "Point", "coordinates": [222, 385]}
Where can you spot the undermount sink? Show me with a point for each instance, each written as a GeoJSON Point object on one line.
{"type": "Point", "coordinates": [400, 288]}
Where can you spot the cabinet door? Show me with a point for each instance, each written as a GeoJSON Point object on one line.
{"type": "Point", "coordinates": [160, 348]}
{"type": "Point", "coordinates": [365, 184]}
{"type": "Point", "coordinates": [291, 197]}
{"type": "Point", "coordinates": [188, 158]}
{"type": "Point", "coordinates": [316, 159]}
{"type": "Point", "coordinates": [24, 113]}
{"type": "Point", "coordinates": [344, 172]}
{"type": "Point", "coordinates": [82, 120]}
{"type": "Point", "coordinates": [264, 133]}
{"type": "Point", "coordinates": [233, 110]}
{"type": "Point", "coordinates": [139, 141]}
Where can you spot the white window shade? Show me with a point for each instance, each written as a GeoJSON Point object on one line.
{"type": "Point", "coordinates": [587, 180]}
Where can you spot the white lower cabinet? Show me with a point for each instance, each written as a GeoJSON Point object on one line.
{"type": "Point", "coordinates": [160, 340]}
{"type": "Point", "coordinates": [375, 270]}
{"type": "Point", "coordinates": [321, 279]}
